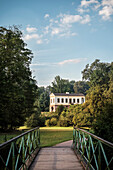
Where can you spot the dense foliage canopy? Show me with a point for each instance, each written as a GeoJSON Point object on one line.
{"type": "Point", "coordinates": [17, 87]}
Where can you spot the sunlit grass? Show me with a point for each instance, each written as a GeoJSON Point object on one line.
{"type": "Point", "coordinates": [49, 135]}
{"type": "Point", "coordinates": [57, 128]}
{"type": "Point", "coordinates": [52, 136]}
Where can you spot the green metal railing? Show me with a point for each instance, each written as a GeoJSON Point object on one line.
{"type": "Point", "coordinates": [93, 151]}
{"type": "Point", "coordinates": [19, 152]}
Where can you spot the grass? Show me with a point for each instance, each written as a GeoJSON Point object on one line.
{"type": "Point", "coordinates": [7, 136]}
{"type": "Point", "coordinates": [49, 136]}
{"type": "Point", "coordinates": [54, 135]}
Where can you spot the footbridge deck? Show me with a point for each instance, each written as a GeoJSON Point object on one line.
{"type": "Point", "coordinates": [59, 157]}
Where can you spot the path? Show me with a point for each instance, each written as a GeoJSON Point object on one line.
{"type": "Point", "coordinates": [58, 157]}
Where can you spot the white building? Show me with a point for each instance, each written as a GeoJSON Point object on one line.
{"type": "Point", "coordinates": [65, 99]}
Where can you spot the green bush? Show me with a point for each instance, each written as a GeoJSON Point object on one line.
{"type": "Point", "coordinates": [47, 122]}
{"type": "Point", "coordinates": [53, 121]}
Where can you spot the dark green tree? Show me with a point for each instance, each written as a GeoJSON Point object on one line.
{"type": "Point", "coordinates": [44, 102]}
{"type": "Point", "coordinates": [17, 87]}
{"type": "Point", "coordinates": [81, 87]}
{"type": "Point", "coordinates": [97, 73]}
{"type": "Point", "coordinates": [59, 109]}
{"type": "Point", "coordinates": [60, 85]}
{"type": "Point", "coordinates": [99, 99]}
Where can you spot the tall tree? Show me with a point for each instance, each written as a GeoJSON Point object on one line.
{"type": "Point", "coordinates": [99, 99]}
{"type": "Point", "coordinates": [97, 73]}
{"type": "Point", "coordinates": [60, 85]}
{"type": "Point", "coordinates": [17, 87]}
{"type": "Point", "coordinates": [81, 87]}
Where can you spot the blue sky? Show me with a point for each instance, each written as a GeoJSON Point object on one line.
{"type": "Point", "coordinates": [64, 35]}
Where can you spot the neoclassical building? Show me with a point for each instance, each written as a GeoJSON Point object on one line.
{"type": "Point", "coordinates": [65, 99]}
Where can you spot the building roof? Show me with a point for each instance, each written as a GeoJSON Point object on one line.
{"type": "Point", "coordinates": [70, 94]}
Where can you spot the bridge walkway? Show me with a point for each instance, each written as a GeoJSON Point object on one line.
{"type": "Point", "coordinates": [58, 157]}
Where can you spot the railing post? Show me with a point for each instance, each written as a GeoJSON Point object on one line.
{"type": "Point", "coordinates": [23, 152]}
{"type": "Point", "coordinates": [89, 151]}
{"type": "Point", "coordinates": [39, 135]}
{"type": "Point", "coordinates": [13, 155]}
{"type": "Point", "coordinates": [99, 155]}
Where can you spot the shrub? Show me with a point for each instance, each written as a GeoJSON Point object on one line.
{"type": "Point", "coordinates": [53, 121]}
{"type": "Point", "coordinates": [47, 122]}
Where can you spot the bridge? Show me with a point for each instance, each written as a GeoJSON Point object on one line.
{"type": "Point", "coordinates": [86, 151]}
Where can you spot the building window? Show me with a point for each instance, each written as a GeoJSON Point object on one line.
{"type": "Point", "coordinates": [73, 100]}
{"type": "Point", "coordinates": [77, 100]}
{"type": "Point", "coordinates": [70, 101]}
{"type": "Point", "coordinates": [62, 100]}
{"type": "Point", "coordinates": [66, 100]}
{"type": "Point", "coordinates": [51, 100]}
{"type": "Point", "coordinates": [82, 100]}
{"type": "Point", "coordinates": [58, 100]}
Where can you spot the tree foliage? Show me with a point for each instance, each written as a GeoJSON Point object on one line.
{"type": "Point", "coordinates": [43, 99]}
{"type": "Point", "coordinates": [81, 87]}
{"type": "Point", "coordinates": [97, 73]}
{"type": "Point", "coordinates": [99, 99]}
{"type": "Point", "coordinates": [60, 85]}
{"type": "Point", "coordinates": [17, 87]}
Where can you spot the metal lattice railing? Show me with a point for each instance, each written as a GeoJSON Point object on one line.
{"type": "Point", "coordinates": [19, 152]}
{"type": "Point", "coordinates": [93, 151]}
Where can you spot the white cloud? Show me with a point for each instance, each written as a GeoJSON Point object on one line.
{"type": "Point", "coordinates": [72, 61]}
{"type": "Point", "coordinates": [86, 19]}
{"type": "Point", "coordinates": [39, 41]}
{"type": "Point", "coordinates": [106, 12]}
{"type": "Point", "coordinates": [38, 64]}
{"type": "Point", "coordinates": [86, 3]}
{"type": "Point", "coordinates": [31, 29]}
{"type": "Point", "coordinates": [55, 31]}
{"type": "Point", "coordinates": [107, 2]}
{"type": "Point", "coordinates": [68, 34]}
{"type": "Point", "coordinates": [46, 16]}
{"type": "Point", "coordinates": [69, 19]}
{"type": "Point", "coordinates": [97, 6]}
{"type": "Point", "coordinates": [81, 10]}
{"type": "Point", "coordinates": [107, 9]}
{"type": "Point", "coordinates": [31, 36]}
{"type": "Point", "coordinates": [46, 29]}
{"type": "Point", "coordinates": [43, 64]}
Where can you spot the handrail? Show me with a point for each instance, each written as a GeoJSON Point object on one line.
{"type": "Point", "coordinates": [93, 151]}
{"type": "Point", "coordinates": [17, 137]}
{"type": "Point", "coordinates": [19, 152]}
{"type": "Point", "coordinates": [96, 137]}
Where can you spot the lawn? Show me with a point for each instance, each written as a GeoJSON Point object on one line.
{"type": "Point", "coordinates": [54, 135]}
{"type": "Point", "coordinates": [7, 136]}
{"type": "Point", "coordinates": [49, 136]}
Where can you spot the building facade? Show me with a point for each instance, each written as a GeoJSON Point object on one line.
{"type": "Point", "coordinates": [65, 99]}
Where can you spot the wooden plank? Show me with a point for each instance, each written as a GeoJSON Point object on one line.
{"type": "Point", "coordinates": [58, 158]}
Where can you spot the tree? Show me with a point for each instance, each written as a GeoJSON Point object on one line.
{"type": "Point", "coordinates": [99, 99]}
{"type": "Point", "coordinates": [59, 109]}
{"type": "Point", "coordinates": [60, 85]}
{"type": "Point", "coordinates": [81, 87]}
{"type": "Point", "coordinates": [43, 99]}
{"type": "Point", "coordinates": [17, 87]}
{"type": "Point", "coordinates": [97, 73]}
{"type": "Point", "coordinates": [103, 125]}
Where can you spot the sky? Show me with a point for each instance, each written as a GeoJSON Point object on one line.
{"type": "Point", "coordinates": [64, 35]}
